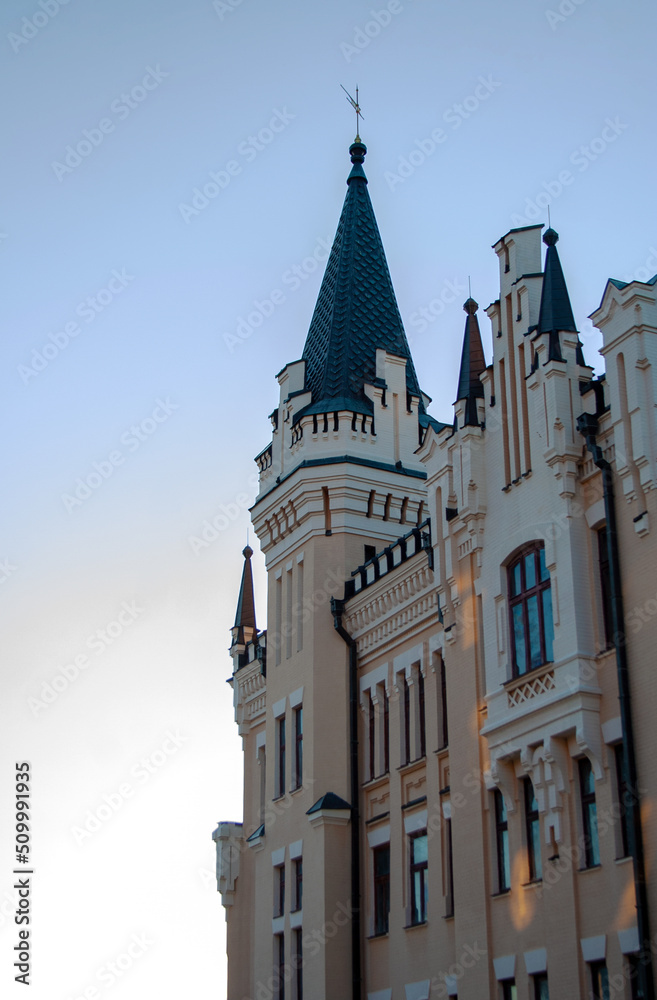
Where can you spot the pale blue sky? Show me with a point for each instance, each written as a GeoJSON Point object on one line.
{"type": "Point", "coordinates": [518, 89]}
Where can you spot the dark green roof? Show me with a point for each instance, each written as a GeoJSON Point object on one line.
{"type": "Point", "coordinates": [556, 312]}
{"type": "Point", "coordinates": [328, 801]}
{"type": "Point", "coordinates": [245, 613]}
{"type": "Point", "coordinates": [473, 363]}
{"type": "Point", "coordinates": [356, 310]}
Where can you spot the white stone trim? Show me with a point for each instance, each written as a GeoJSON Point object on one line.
{"type": "Point", "coordinates": [296, 920]}
{"type": "Point", "coordinates": [419, 990]}
{"type": "Point", "coordinates": [595, 514]}
{"type": "Point", "coordinates": [300, 557]}
{"type": "Point", "coordinates": [296, 849]}
{"type": "Point", "coordinates": [378, 836]}
{"type": "Point", "coordinates": [380, 995]}
{"type": "Point", "coordinates": [612, 730]}
{"type": "Point", "coordinates": [451, 982]}
{"type": "Point", "coordinates": [261, 740]}
{"type": "Point", "coordinates": [415, 822]}
{"type": "Point", "coordinates": [375, 677]}
{"type": "Point", "coordinates": [277, 925]}
{"type": "Point", "coordinates": [278, 857]}
{"type": "Point", "coordinates": [594, 949]}
{"type": "Point", "coordinates": [629, 940]}
{"type": "Point", "coordinates": [278, 708]}
{"type": "Point", "coordinates": [447, 808]}
{"type": "Point", "coordinates": [296, 698]}
{"type": "Point", "coordinates": [505, 967]}
{"type": "Point", "coordinates": [288, 567]}
{"type": "Point", "coordinates": [407, 659]}
{"type": "Point", "coordinates": [536, 961]}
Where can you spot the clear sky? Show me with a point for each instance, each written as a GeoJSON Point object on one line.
{"type": "Point", "coordinates": [144, 323]}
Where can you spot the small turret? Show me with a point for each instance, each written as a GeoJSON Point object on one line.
{"type": "Point", "coordinates": [473, 363]}
{"type": "Point", "coordinates": [244, 630]}
{"type": "Point", "coordinates": [555, 313]}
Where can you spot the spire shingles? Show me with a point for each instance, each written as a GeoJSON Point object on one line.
{"type": "Point", "coordinates": [473, 363]}
{"type": "Point", "coordinates": [244, 629]}
{"type": "Point", "coordinates": [556, 312]}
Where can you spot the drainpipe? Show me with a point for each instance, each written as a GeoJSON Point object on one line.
{"type": "Point", "coordinates": [337, 610]}
{"type": "Point", "coordinates": [587, 425]}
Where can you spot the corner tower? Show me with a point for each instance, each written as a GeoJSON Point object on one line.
{"type": "Point", "coordinates": [338, 483]}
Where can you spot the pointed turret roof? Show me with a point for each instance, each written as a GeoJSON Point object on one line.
{"type": "Point", "coordinates": [356, 310]}
{"type": "Point", "coordinates": [245, 615]}
{"type": "Point", "coordinates": [473, 363]}
{"type": "Point", "coordinates": [556, 312]}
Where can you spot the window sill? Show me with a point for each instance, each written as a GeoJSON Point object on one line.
{"type": "Point", "coordinates": [412, 927]}
{"type": "Point", "coordinates": [380, 779]}
{"type": "Point", "coordinates": [624, 860]}
{"type": "Point", "coordinates": [277, 798]}
{"type": "Point", "coordinates": [589, 868]}
{"type": "Point", "coordinates": [533, 884]}
{"type": "Point", "coordinates": [412, 765]}
{"type": "Point", "coordinates": [534, 672]}
{"type": "Point", "coordinates": [502, 892]}
{"type": "Point", "coordinates": [378, 937]}
{"type": "Point", "coordinates": [298, 788]}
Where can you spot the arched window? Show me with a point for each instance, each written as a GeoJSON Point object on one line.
{"type": "Point", "coordinates": [530, 611]}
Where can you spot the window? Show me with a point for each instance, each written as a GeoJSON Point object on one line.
{"type": "Point", "coordinates": [371, 735]}
{"type": "Point", "coordinates": [599, 981]}
{"type": "Point", "coordinates": [589, 813]}
{"type": "Point", "coordinates": [298, 747]}
{"type": "Point", "coordinates": [423, 725]}
{"type": "Point", "coordinates": [541, 987]}
{"type": "Point", "coordinates": [386, 732]}
{"type": "Point", "coordinates": [280, 784]}
{"type": "Point", "coordinates": [443, 736]}
{"type": "Point", "coordinates": [533, 834]}
{"type": "Point", "coordinates": [298, 962]}
{"type": "Point", "coordinates": [406, 728]}
{"type": "Point", "coordinates": [297, 884]}
{"type": "Point", "coordinates": [633, 975]}
{"type": "Point", "coordinates": [279, 890]}
{"type": "Point", "coordinates": [502, 843]}
{"type": "Point", "coordinates": [530, 608]}
{"type": "Point", "coordinates": [621, 792]}
{"type": "Point", "coordinates": [509, 991]}
{"type": "Point", "coordinates": [279, 958]}
{"type": "Point", "coordinates": [450, 870]}
{"type": "Point", "coordinates": [419, 880]}
{"type": "Point", "coordinates": [605, 586]}
{"type": "Point", "coordinates": [381, 857]}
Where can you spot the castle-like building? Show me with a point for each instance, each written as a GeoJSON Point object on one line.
{"type": "Point", "coordinates": [449, 724]}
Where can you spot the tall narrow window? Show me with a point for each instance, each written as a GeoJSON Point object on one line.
{"type": "Point", "coordinates": [541, 991]}
{"type": "Point", "coordinates": [449, 869]}
{"type": "Point", "coordinates": [530, 608]}
{"type": "Point", "coordinates": [407, 720]}
{"type": "Point", "coordinates": [589, 813]}
{"type": "Point", "coordinates": [386, 732]}
{"type": "Point", "coordinates": [279, 952]}
{"type": "Point", "coordinates": [371, 736]}
{"type": "Point", "coordinates": [419, 879]}
{"type": "Point", "coordinates": [621, 792]}
{"type": "Point", "coordinates": [502, 841]}
{"type": "Point", "coordinates": [599, 981]}
{"type": "Point", "coordinates": [278, 610]}
{"type": "Point", "coordinates": [298, 962]}
{"type": "Point", "coordinates": [262, 763]}
{"type": "Point", "coordinates": [298, 747]}
{"type": "Point", "coordinates": [533, 833]}
{"type": "Point", "coordinates": [421, 706]}
{"type": "Point", "coordinates": [443, 735]}
{"type": "Point", "coordinates": [605, 586]}
{"type": "Point", "coordinates": [509, 991]}
{"type": "Point", "coordinates": [381, 858]}
{"type": "Point", "coordinates": [289, 599]}
{"type": "Point", "coordinates": [279, 890]}
{"type": "Point", "coordinates": [280, 790]}
{"type": "Point", "coordinates": [298, 884]}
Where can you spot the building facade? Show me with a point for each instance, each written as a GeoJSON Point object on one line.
{"type": "Point", "coordinates": [444, 721]}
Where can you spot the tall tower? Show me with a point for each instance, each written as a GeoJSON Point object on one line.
{"type": "Point", "coordinates": [338, 482]}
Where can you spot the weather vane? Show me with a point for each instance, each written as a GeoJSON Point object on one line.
{"type": "Point", "coordinates": [356, 106]}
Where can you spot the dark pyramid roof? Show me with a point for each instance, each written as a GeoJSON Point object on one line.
{"type": "Point", "coordinates": [328, 801]}
{"type": "Point", "coordinates": [556, 312]}
{"type": "Point", "coordinates": [245, 614]}
{"type": "Point", "coordinates": [356, 310]}
{"type": "Point", "coordinates": [473, 363]}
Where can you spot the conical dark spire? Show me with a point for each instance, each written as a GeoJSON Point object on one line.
{"type": "Point", "coordinates": [473, 363]}
{"type": "Point", "coordinates": [556, 312]}
{"type": "Point", "coordinates": [356, 310]}
{"type": "Point", "coordinates": [244, 629]}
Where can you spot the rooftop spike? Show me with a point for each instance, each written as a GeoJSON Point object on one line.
{"type": "Point", "coordinates": [556, 313]}
{"type": "Point", "coordinates": [356, 310]}
{"type": "Point", "coordinates": [473, 363]}
{"type": "Point", "coordinates": [244, 630]}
